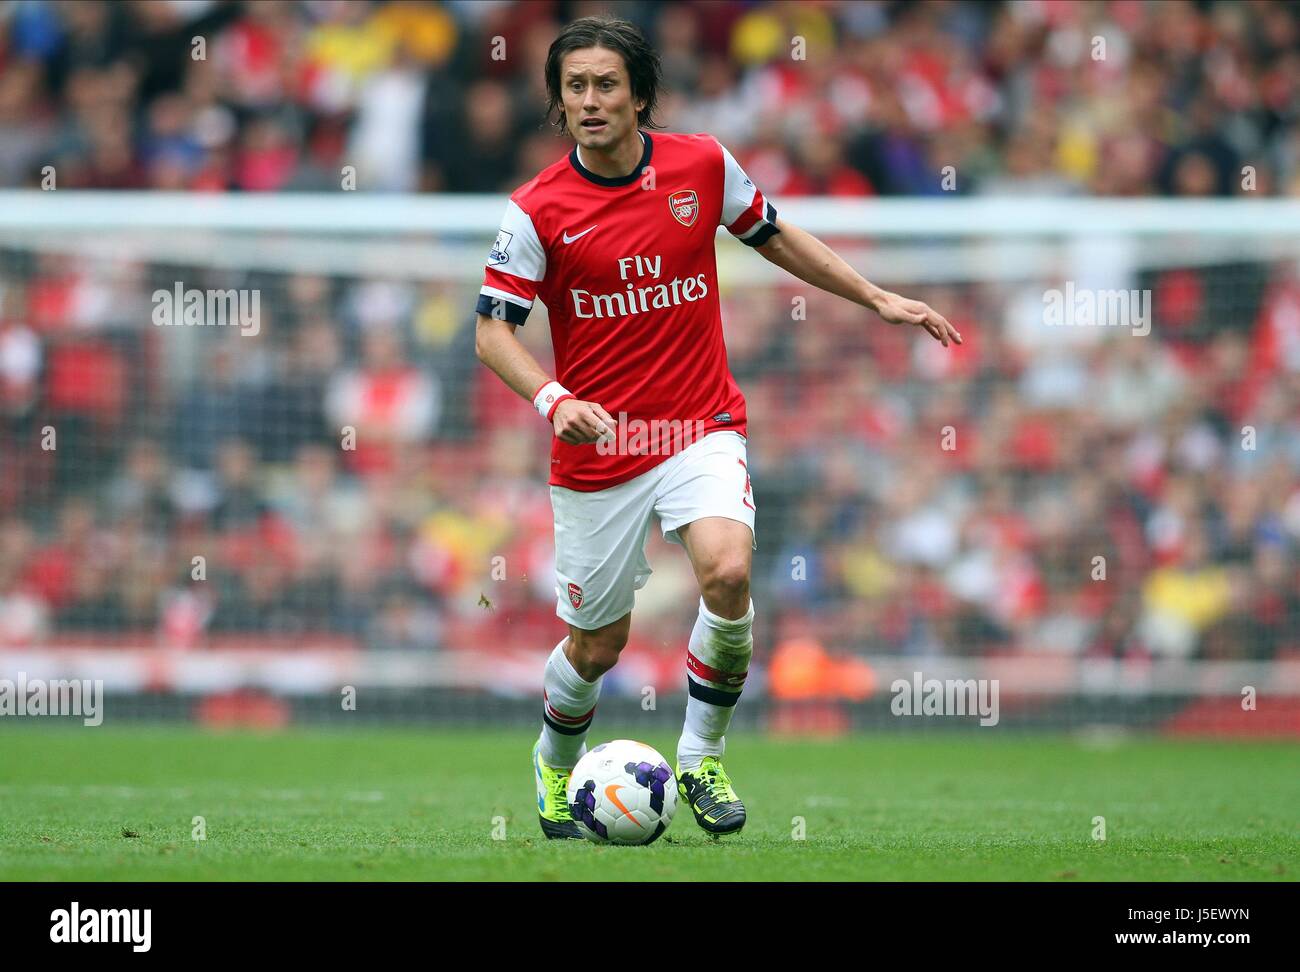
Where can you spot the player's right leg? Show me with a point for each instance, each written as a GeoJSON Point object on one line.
{"type": "Point", "coordinates": [599, 564]}
{"type": "Point", "coordinates": [570, 689]}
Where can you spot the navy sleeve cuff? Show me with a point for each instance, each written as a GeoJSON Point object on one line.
{"type": "Point", "coordinates": [766, 232]}
{"type": "Point", "coordinates": [501, 309]}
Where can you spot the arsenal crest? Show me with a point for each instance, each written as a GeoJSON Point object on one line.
{"type": "Point", "coordinates": [575, 596]}
{"type": "Point", "coordinates": [685, 206]}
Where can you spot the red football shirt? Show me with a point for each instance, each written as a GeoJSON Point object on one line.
{"type": "Point", "coordinates": [627, 271]}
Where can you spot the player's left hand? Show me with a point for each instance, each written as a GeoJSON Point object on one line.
{"type": "Point", "coordinates": [903, 310]}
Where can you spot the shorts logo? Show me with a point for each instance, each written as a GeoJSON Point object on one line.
{"type": "Point", "coordinates": [575, 596]}
{"type": "Point", "coordinates": [498, 254]}
{"type": "Point", "coordinates": [748, 490]}
{"type": "Point", "coordinates": [685, 206]}
{"type": "Point", "coordinates": [722, 418]}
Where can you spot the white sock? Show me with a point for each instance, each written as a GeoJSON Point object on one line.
{"type": "Point", "coordinates": [717, 661]}
{"type": "Point", "coordinates": [568, 702]}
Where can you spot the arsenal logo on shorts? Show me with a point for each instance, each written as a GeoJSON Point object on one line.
{"type": "Point", "coordinates": [685, 206]}
{"type": "Point", "coordinates": [575, 596]}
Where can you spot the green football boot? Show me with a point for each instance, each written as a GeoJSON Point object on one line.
{"type": "Point", "coordinates": [708, 791]}
{"type": "Point", "coordinates": [552, 799]}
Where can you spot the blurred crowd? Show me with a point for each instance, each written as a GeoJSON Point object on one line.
{"type": "Point", "coordinates": [815, 98]}
{"type": "Point", "coordinates": [352, 473]}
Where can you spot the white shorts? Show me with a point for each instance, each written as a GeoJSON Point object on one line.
{"type": "Point", "coordinates": [600, 536]}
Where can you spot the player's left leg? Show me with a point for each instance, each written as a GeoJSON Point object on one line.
{"type": "Point", "coordinates": [707, 506]}
{"type": "Point", "coordinates": [717, 661]}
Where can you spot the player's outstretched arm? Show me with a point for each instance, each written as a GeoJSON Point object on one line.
{"type": "Point", "coordinates": [575, 422]}
{"type": "Point", "coordinates": [808, 258]}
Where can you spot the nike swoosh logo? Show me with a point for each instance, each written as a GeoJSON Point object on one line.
{"type": "Point", "coordinates": [611, 794]}
{"type": "Point", "coordinates": [570, 239]}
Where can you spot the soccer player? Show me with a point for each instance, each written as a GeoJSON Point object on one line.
{"type": "Point", "coordinates": [617, 240]}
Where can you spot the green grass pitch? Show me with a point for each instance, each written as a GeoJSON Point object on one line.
{"type": "Point", "coordinates": [119, 804]}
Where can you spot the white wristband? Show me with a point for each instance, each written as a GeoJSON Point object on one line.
{"type": "Point", "coordinates": [548, 396]}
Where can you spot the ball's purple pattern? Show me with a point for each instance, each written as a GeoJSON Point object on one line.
{"type": "Point", "coordinates": [584, 806]}
{"type": "Point", "coordinates": [653, 778]}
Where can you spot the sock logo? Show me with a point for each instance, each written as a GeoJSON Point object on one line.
{"type": "Point", "coordinates": [702, 670]}
{"type": "Point", "coordinates": [575, 596]}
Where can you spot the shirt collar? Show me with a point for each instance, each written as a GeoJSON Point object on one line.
{"type": "Point", "coordinates": [626, 180]}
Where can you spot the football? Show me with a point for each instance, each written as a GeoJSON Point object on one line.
{"type": "Point", "coordinates": [622, 792]}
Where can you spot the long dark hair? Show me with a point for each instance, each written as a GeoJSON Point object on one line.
{"type": "Point", "coordinates": [641, 60]}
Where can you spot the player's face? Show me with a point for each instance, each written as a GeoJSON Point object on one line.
{"type": "Point", "coordinates": [598, 105]}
